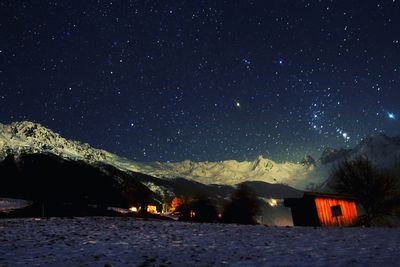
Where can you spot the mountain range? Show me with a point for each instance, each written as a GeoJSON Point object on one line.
{"type": "Point", "coordinates": [37, 164]}
{"type": "Point", "coordinates": [32, 138]}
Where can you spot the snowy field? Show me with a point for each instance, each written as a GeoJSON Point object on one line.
{"type": "Point", "coordinates": [130, 242]}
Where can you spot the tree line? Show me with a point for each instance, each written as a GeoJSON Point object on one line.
{"type": "Point", "coordinates": [243, 207]}
{"type": "Point", "coordinates": [376, 190]}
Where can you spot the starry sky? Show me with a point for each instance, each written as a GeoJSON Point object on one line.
{"type": "Point", "coordinates": [203, 80]}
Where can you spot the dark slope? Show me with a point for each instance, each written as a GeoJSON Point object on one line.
{"type": "Point", "coordinates": [189, 188]}
{"type": "Point", "coordinates": [56, 180]}
{"type": "Point", "coordinates": [267, 190]}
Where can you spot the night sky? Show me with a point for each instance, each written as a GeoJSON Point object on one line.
{"type": "Point", "coordinates": [203, 80]}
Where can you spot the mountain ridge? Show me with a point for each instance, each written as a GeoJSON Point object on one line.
{"type": "Point", "coordinates": [28, 137]}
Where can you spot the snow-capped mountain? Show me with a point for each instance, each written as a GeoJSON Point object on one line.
{"type": "Point", "coordinates": [381, 149]}
{"type": "Point", "coordinates": [233, 172]}
{"type": "Point", "coordinates": [28, 137]}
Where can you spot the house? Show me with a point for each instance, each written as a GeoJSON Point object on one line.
{"type": "Point", "coordinates": [317, 209]}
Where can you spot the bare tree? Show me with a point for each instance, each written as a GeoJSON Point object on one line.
{"type": "Point", "coordinates": [376, 190]}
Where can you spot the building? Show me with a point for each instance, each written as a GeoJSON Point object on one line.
{"type": "Point", "coordinates": [151, 208]}
{"type": "Point", "coordinates": [317, 209]}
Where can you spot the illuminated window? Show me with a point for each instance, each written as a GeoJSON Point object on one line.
{"type": "Point", "coordinates": [336, 211]}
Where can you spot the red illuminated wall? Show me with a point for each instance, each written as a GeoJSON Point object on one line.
{"type": "Point", "coordinates": [349, 212]}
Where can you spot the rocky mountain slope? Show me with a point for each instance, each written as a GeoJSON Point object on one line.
{"type": "Point", "coordinates": [381, 149]}
{"type": "Point", "coordinates": [29, 137]}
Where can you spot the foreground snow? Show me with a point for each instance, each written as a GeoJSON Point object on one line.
{"type": "Point", "coordinates": [122, 242]}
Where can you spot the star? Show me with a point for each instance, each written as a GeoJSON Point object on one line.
{"type": "Point", "coordinates": [181, 74]}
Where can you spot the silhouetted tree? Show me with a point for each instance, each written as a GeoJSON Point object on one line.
{"type": "Point", "coordinates": [243, 206]}
{"type": "Point", "coordinates": [203, 210]}
{"type": "Point", "coordinates": [184, 208]}
{"type": "Point", "coordinates": [376, 190]}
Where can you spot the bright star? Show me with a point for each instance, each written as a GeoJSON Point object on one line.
{"type": "Point", "coordinates": [237, 104]}
{"type": "Point", "coordinates": [280, 61]}
{"type": "Point", "coordinates": [391, 115]}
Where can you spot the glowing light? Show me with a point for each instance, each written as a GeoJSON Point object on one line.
{"type": "Point", "coordinates": [176, 202]}
{"type": "Point", "coordinates": [237, 104]}
{"type": "Point", "coordinates": [272, 202]}
{"type": "Point", "coordinates": [133, 209]}
{"type": "Point", "coordinates": [391, 115]}
{"type": "Point", "coordinates": [151, 209]}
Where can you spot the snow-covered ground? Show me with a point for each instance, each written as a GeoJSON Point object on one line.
{"type": "Point", "coordinates": [8, 204]}
{"type": "Point", "coordinates": [130, 242]}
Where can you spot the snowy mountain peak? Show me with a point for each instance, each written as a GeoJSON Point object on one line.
{"type": "Point", "coordinates": [381, 149]}
{"type": "Point", "coordinates": [30, 129]}
{"type": "Point", "coordinates": [308, 160]}
{"type": "Point", "coordinates": [330, 155]}
{"type": "Point", "coordinates": [378, 140]}
{"type": "Point", "coordinates": [30, 137]}
{"type": "Point", "coordinates": [262, 164]}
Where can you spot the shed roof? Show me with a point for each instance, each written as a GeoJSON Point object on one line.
{"type": "Point", "coordinates": [328, 195]}
{"type": "Point", "coordinates": [312, 195]}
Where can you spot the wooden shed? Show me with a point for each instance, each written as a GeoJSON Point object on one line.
{"type": "Point", "coordinates": [317, 209]}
